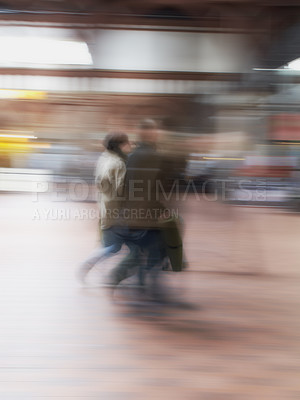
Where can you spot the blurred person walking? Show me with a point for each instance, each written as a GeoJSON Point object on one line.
{"type": "Point", "coordinates": [143, 211]}
{"type": "Point", "coordinates": [109, 177]}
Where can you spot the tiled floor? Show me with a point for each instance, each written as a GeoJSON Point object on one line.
{"type": "Point", "coordinates": [240, 341]}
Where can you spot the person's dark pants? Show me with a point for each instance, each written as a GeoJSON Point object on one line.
{"type": "Point", "coordinates": [132, 261]}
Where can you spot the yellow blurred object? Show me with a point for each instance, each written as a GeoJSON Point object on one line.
{"type": "Point", "coordinates": [9, 147]}
{"type": "Point", "coordinates": [22, 94]}
{"type": "Point", "coordinates": [19, 142]}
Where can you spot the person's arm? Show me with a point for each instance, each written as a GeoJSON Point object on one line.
{"type": "Point", "coordinates": [110, 181]}
{"type": "Point", "coordinates": [119, 178]}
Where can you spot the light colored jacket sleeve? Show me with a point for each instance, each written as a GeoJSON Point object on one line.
{"type": "Point", "coordinates": [110, 178]}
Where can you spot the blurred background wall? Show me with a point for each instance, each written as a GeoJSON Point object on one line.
{"type": "Point", "coordinates": [221, 76]}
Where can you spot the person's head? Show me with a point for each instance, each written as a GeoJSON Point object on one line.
{"type": "Point", "coordinates": [117, 143]}
{"type": "Point", "coordinates": [148, 131]}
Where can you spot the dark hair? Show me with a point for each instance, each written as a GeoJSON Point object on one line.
{"type": "Point", "coordinates": [113, 141]}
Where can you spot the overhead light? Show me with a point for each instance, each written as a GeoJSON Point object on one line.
{"type": "Point", "coordinates": [19, 136]}
{"type": "Point", "coordinates": [294, 65]}
{"type": "Point", "coordinates": [267, 69]}
{"type": "Point", "coordinates": [224, 158]}
{"type": "Point", "coordinates": [43, 51]}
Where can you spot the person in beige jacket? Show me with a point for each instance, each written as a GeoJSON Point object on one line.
{"type": "Point", "coordinates": [109, 178]}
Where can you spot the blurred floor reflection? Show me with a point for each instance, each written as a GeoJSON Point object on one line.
{"type": "Point", "coordinates": [240, 341]}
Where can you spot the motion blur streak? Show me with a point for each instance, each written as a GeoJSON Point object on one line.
{"type": "Point", "coordinates": [161, 136]}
